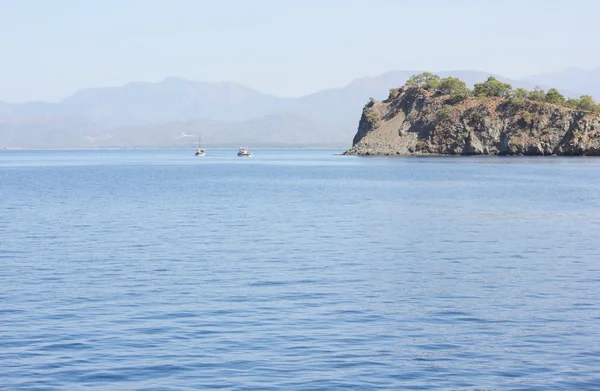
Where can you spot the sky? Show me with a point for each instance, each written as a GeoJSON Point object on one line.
{"type": "Point", "coordinates": [51, 49]}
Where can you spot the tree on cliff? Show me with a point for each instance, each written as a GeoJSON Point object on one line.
{"type": "Point", "coordinates": [572, 103]}
{"type": "Point", "coordinates": [452, 86]}
{"type": "Point", "coordinates": [520, 93]}
{"type": "Point", "coordinates": [492, 88]}
{"type": "Point", "coordinates": [426, 80]}
{"type": "Point", "coordinates": [537, 95]}
{"type": "Point", "coordinates": [554, 97]}
{"type": "Point", "coordinates": [586, 102]}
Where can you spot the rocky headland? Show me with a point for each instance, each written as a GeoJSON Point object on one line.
{"type": "Point", "coordinates": [421, 119]}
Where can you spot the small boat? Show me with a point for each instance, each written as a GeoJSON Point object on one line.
{"type": "Point", "coordinates": [199, 150]}
{"type": "Point", "coordinates": [244, 152]}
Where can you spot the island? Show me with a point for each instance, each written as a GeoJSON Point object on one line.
{"type": "Point", "coordinates": [434, 116]}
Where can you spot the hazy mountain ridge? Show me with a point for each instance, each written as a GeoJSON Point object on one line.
{"type": "Point", "coordinates": [154, 114]}
{"type": "Point", "coordinates": [577, 79]}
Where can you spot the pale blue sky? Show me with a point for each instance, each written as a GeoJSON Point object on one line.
{"type": "Point", "coordinates": [51, 48]}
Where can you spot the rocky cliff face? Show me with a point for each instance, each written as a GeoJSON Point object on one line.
{"type": "Point", "coordinates": [417, 122]}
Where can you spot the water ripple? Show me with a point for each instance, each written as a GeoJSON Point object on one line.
{"type": "Point", "coordinates": [299, 271]}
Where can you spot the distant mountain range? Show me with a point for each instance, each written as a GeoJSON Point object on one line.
{"type": "Point", "coordinates": [172, 112]}
{"type": "Point", "coordinates": [575, 79]}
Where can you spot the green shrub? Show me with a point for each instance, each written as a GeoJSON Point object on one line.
{"type": "Point", "coordinates": [452, 86]}
{"type": "Point", "coordinates": [456, 98]}
{"type": "Point", "coordinates": [372, 116]}
{"type": "Point", "coordinates": [492, 87]}
{"type": "Point", "coordinates": [476, 118]}
{"type": "Point", "coordinates": [517, 103]}
{"type": "Point", "coordinates": [526, 117]}
{"type": "Point", "coordinates": [537, 95]}
{"type": "Point", "coordinates": [554, 97]}
{"type": "Point", "coordinates": [572, 103]}
{"type": "Point", "coordinates": [445, 113]}
{"type": "Point", "coordinates": [519, 93]}
{"type": "Point", "coordinates": [587, 103]}
{"type": "Point", "coordinates": [426, 80]}
{"type": "Point", "coordinates": [513, 142]}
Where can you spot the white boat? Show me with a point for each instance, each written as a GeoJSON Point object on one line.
{"type": "Point", "coordinates": [199, 150]}
{"type": "Point", "coordinates": [244, 152]}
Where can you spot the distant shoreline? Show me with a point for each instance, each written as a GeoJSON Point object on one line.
{"type": "Point", "coordinates": [162, 148]}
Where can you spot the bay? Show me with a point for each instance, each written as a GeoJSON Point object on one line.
{"type": "Point", "coordinates": [297, 270]}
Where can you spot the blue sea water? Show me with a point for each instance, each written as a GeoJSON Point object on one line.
{"type": "Point", "coordinates": [297, 270]}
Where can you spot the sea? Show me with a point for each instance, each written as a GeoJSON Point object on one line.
{"type": "Point", "coordinates": [297, 269]}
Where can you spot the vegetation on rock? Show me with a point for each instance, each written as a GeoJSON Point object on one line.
{"type": "Point", "coordinates": [453, 86]}
{"type": "Point", "coordinates": [426, 80]}
{"type": "Point", "coordinates": [494, 88]}
{"type": "Point", "coordinates": [554, 97]}
{"type": "Point", "coordinates": [442, 116]}
{"type": "Point", "coordinates": [372, 116]}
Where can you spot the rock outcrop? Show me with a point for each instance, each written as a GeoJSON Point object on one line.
{"type": "Point", "coordinates": [419, 122]}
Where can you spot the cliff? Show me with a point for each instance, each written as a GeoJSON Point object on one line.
{"type": "Point", "coordinates": [419, 122]}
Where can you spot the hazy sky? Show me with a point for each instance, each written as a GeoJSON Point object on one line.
{"type": "Point", "coordinates": [50, 49]}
